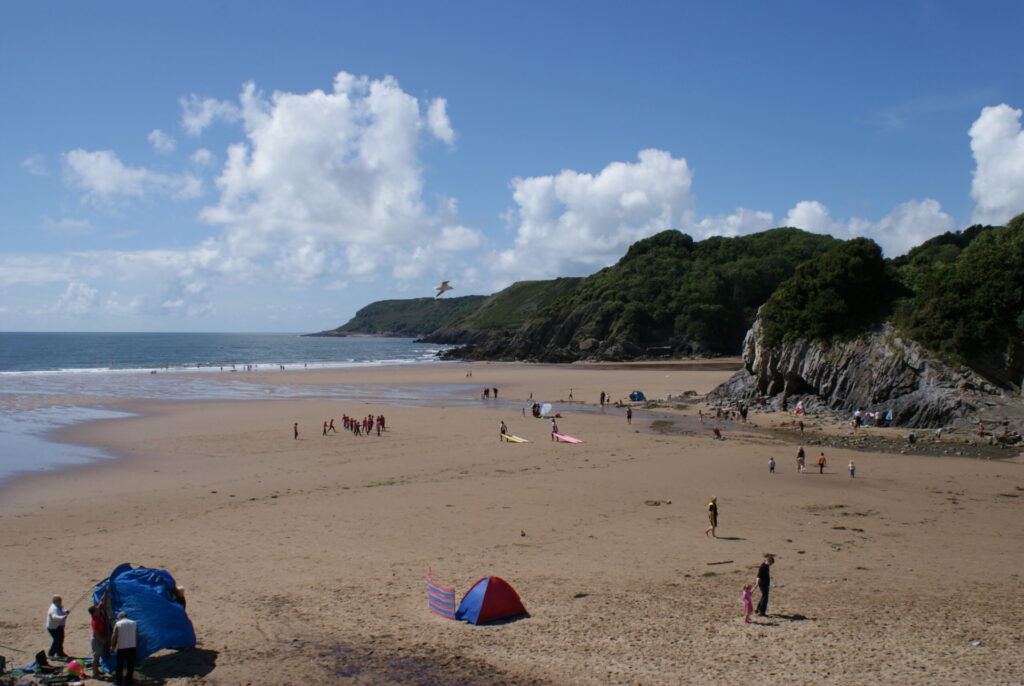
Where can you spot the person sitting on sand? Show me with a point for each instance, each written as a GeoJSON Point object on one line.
{"type": "Point", "coordinates": [716, 433]}
{"type": "Point", "coordinates": [712, 516]}
{"type": "Point", "coordinates": [748, 604]}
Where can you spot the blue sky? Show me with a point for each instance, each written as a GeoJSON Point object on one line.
{"type": "Point", "coordinates": [230, 166]}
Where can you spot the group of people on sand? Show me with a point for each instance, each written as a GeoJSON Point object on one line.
{"type": "Point", "coordinates": [801, 463]}
{"type": "Point", "coordinates": [486, 395]}
{"type": "Point", "coordinates": [108, 636]}
{"type": "Point", "coordinates": [359, 426]}
{"type": "Point", "coordinates": [762, 582]}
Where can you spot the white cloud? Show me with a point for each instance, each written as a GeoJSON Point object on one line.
{"type": "Point", "coordinates": [331, 174]}
{"type": "Point", "coordinates": [811, 215]}
{"type": "Point", "coordinates": [998, 146]}
{"type": "Point", "coordinates": [34, 165]}
{"type": "Point", "coordinates": [105, 178]}
{"type": "Point", "coordinates": [437, 120]}
{"type": "Point", "coordinates": [161, 142]}
{"type": "Point", "coordinates": [78, 300]}
{"type": "Point", "coordinates": [458, 238]}
{"type": "Point", "coordinates": [906, 226]}
{"type": "Point", "coordinates": [573, 223]}
{"type": "Point", "coordinates": [739, 223]}
{"type": "Point", "coordinates": [201, 158]}
{"type": "Point", "coordinates": [198, 113]}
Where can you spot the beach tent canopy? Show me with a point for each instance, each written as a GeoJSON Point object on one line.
{"type": "Point", "coordinates": [147, 597]}
{"type": "Point", "coordinates": [637, 395]}
{"type": "Point", "coordinates": [490, 599]}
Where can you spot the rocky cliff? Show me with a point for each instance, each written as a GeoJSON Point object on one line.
{"type": "Point", "coordinates": [878, 371]}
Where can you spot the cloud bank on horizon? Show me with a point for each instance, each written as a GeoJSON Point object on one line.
{"type": "Point", "coordinates": [328, 188]}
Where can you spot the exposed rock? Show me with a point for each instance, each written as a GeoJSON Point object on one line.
{"type": "Point", "coordinates": [878, 372]}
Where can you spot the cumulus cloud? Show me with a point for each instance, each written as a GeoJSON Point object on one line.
{"type": "Point", "coordinates": [906, 226]}
{"type": "Point", "coordinates": [997, 143]}
{"type": "Point", "coordinates": [78, 300]}
{"type": "Point", "coordinates": [573, 222]}
{"type": "Point", "coordinates": [739, 223]}
{"type": "Point", "coordinates": [329, 180]}
{"type": "Point", "coordinates": [201, 158]}
{"type": "Point", "coordinates": [199, 113]}
{"type": "Point", "coordinates": [437, 120]}
{"type": "Point", "coordinates": [161, 142]}
{"type": "Point", "coordinates": [34, 165]}
{"type": "Point", "coordinates": [105, 178]}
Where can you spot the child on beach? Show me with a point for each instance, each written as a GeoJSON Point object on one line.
{"type": "Point", "coordinates": [748, 604]}
{"type": "Point", "coordinates": [853, 469]}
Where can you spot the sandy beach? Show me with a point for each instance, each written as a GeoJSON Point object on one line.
{"type": "Point", "coordinates": [305, 560]}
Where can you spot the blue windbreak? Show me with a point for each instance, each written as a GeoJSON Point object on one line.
{"type": "Point", "coordinates": [147, 597]}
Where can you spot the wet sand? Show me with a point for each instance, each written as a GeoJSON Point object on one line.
{"type": "Point", "coordinates": [305, 560]}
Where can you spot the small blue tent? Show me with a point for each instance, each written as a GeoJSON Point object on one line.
{"type": "Point", "coordinates": [637, 395]}
{"type": "Point", "coordinates": [147, 597]}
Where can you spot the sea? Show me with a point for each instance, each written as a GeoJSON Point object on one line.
{"type": "Point", "coordinates": [49, 381]}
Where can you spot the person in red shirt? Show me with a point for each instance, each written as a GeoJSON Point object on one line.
{"type": "Point", "coordinates": [98, 642]}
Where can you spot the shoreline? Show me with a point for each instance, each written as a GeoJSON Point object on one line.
{"type": "Point", "coordinates": [307, 558]}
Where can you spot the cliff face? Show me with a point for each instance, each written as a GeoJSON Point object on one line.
{"type": "Point", "coordinates": [877, 372]}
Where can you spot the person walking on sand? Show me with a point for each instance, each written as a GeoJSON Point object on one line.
{"type": "Point", "coordinates": [764, 582]}
{"type": "Point", "coordinates": [502, 431]}
{"type": "Point", "coordinates": [124, 639]}
{"type": "Point", "coordinates": [771, 465]}
{"type": "Point", "coordinates": [56, 617]}
{"type": "Point", "coordinates": [629, 415]}
{"type": "Point", "coordinates": [853, 469]}
{"type": "Point", "coordinates": [821, 463]}
{"type": "Point", "coordinates": [801, 458]}
{"type": "Point", "coordinates": [325, 427]}
{"type": "Point", "coordinates": [295, 430]}
{"type": "Point", "coordinates": [554, 429]}
{"type": "Point", "coordinates": [748, 604]}
{"type": "Point", "coordinates": [712, 516]}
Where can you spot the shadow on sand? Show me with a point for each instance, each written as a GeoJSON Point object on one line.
{"type": "Point", "coordinates": [187, 663]}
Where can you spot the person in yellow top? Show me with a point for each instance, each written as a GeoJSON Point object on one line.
{"type": "Point", "coordinates": [712, 516]}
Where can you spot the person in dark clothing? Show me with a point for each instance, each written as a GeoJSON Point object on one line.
{"type": "Point", "coordinates": [764, 582]}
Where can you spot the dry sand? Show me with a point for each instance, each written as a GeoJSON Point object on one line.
{"type": "Point", "coordinates": [305, 560]}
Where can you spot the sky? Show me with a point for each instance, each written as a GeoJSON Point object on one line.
{"type": "Point", "coordinates": [274, 167]}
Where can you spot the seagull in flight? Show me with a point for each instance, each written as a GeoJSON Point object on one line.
{"type": "Point", "coordinates": [442, 288]}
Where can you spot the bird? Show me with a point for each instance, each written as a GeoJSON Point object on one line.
{"type": "Point", "coordinates": [442, 288]}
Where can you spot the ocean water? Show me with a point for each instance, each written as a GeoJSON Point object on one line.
{"type": "Point", "coordinates": [52, 380]}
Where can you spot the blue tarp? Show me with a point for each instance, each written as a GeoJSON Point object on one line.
{"type": "Point", "coordinates": [147, 596]}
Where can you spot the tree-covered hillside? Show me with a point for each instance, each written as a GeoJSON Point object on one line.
{"type": "Point", "coordinates": [508, 309]}
{"type": "Point", "coordinates": [667, 293]}
{"type": "Point", "coordinates": [960, 295]}
{"type": "Point", "coordinates": [406, 318]}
